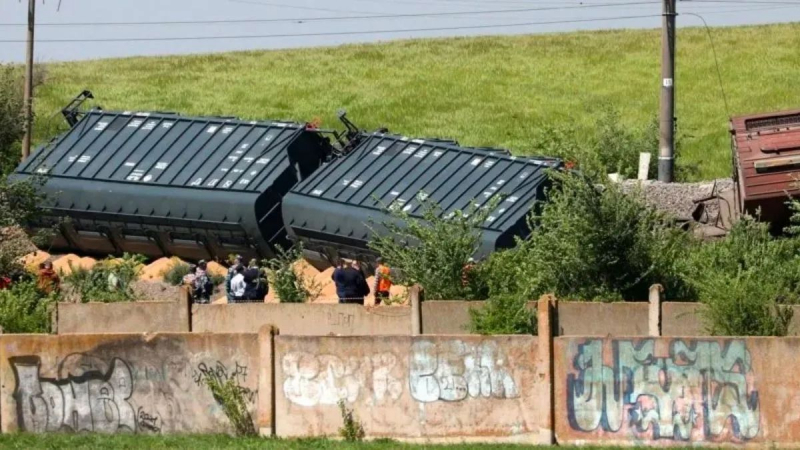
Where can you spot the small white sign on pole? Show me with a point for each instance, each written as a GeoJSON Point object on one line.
{"type": "Point", "coordinates": [644, 165]}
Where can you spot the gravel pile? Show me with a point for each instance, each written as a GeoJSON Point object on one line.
{"type": "Point", "coordinates": [678, 198]}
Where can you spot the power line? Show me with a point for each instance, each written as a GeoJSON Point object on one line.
{"type": "Point", "coordinates": [338, 33]}
{"type": "Point", "coordinates": [316, 19]}
{"type": "Point", "coordinates": [746, 2]}
{"type": "Point", "coordinates": [716, 61]}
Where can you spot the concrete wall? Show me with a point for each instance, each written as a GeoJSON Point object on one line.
{"type": "Point", "coordinates": [573, 318]}
{"type": "Point", "coordinates": [677, 391]}
{"type": "Point", "coordinates": [123, 317]}
{"type": "Point", "coordinates": [447, 316]}
{"type": "Point", "coordinates": [431, 388]}
{"type": "Point", "coordinates": [594, 318]}
{"type": "Point", "coordinates": [681, 319]}
{"type": "Point", "coordinates": [302, 319]}
{"type": "Point", "coordinates": [124, 382]}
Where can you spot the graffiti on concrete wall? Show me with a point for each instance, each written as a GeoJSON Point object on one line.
{"type": "Point", "coordinates": [437, 371]}
{"type": "Point", "coordinates": [325, 379]}
{"type": "Point", "coordinates": [88, 401]}
{"type": "Point", "coordinates": [454, 370]}
{"type": "Point", "coordinates": [700, 390]}
{"type": "Point", "coordinates": [151, 395]}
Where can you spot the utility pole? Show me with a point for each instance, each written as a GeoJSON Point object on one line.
{"type": "Point", "coordinates": [28, 94]}
{"type": "Point", "coordinates": [666, 139]}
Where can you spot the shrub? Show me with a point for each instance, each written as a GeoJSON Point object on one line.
{"type": "Point", "coordinates": [290, 285]}
{"type": "Point", "coordinates": [593, 243]}
{"type": "Point", "coordinates": [231, 397]}
{"type": "Point", "coordinates": [174, 275]}
{"type": "Point", "coordinates": [503, 314]}
{"type": "Point", "coordinates": [110, 280]}
{"type": "Point", "coordinates": [433, 250]}
{"type": "Point", "coordinates": [746, 281]}
{"type": "Point", "coordinates": [352, 430]}
{"type": "Point", "coordinates": [24, 310]}
{"type": "Point", "coordinates": [614, 147]}
{"type": "Point", "coordinates": [12, 125]}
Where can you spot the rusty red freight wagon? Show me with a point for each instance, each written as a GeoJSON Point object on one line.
{"type": "Point", "coordinates": [766, 157]}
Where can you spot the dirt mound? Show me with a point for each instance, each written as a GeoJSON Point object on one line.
{"type": "Point", "coordinates": [215, 268]}
{"type": "Point", "coordinates": [64, 264]}
{"type": "Point", "coordinates": [155, 270]}
{"type": "Point", "coordinates": [153, 290]}
{"type": "Point", "coordinates": [32, 260]}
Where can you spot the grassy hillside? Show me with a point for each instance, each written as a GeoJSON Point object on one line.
{"type": "Point", "coordinates": [482, 91]}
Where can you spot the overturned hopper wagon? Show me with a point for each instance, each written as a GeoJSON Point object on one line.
{"type": "Point", "coordinates": [334, 211]}
{"type": "Point", "coordinates": [161, 184]}
{"type": "Point", "coordinates": [766, 154]}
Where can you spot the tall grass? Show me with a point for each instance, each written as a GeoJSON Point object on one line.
{"type": "Point", "coordinates": [498, 91]}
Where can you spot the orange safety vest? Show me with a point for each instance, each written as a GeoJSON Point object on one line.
{"type": "Point", "coordinates": [384, 283]}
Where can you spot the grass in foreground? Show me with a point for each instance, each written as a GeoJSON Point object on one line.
{"type": "Point", "coordinates": [494, 91]}
{"type": "Point", "coordinates": [200, 442]}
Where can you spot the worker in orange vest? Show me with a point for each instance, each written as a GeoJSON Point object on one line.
{"type": "Point", "coordinates": [383, 281]}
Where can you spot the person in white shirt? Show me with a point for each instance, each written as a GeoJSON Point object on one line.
{"type": "Point", "coordinates": [238, 285]}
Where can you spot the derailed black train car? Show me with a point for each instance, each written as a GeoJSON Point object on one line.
{"type": "Point", "coordinates": [334, 211]}
{"type": "Point", "coordinates": [161, 184]}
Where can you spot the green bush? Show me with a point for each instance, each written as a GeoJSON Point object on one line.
{"type": "Point", "coordinates": [352, 430]}
{"type": "Point", "coordinates": [614, 147]}
{"type": "Point", "coordinates": [503, 314]}
{"type": "Point", "coordinates": [230, 396]}
{"type": "Point", "coordinates": [108, 281]}
{"type": "Point", "coordinates": [746, 281]}
{"type": "Point", "coordinates": [593, 242]}
{"type": "Point", "coordinates": [24, 310]}
{"type": "Point", "coordinates": [174, 275]}
{"type": "Point", "coordinates": [290, 285]}
{"type": "Point", "coordinates": [433, 250]}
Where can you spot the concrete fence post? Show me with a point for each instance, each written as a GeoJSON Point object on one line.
{"type": "Point", "coordinates": [186, 297]}
{"type": "Point", "coordinates": [416, 310]}
{"type": "Point", "coordinates": [265, 410]}
{"type": "Point", "coordinates": [547, 306]}
{"type": "Point", "coordinates": [654, 312]}
{"type": "Point", "coordinates": [54, 319]}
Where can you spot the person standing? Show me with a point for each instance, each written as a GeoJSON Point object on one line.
{"type": "Point", "coordinates": [383, 281]}
{"type": "Point", "coordinates": [237, 262]}
{"type": "Point", "coordinates": [338, 281]}
{"type": "Point", "coordinates": [354, 285]}
{"type": "Point", "coordinates": [238, 285]}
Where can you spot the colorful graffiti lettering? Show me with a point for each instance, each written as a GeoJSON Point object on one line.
{"type": "Point", "coordinates": [91, 401]}
{"type": "Point", "coordinates": [700, 391]}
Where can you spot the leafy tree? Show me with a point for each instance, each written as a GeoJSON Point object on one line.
{"type": "Point", "coordinates": [432, 250]}
{"type": "Point", "coordinates": [593, 242]}
{"type": "Point", "coordinates": [503, 314]}
{"type": "Point", "coordinates": [12, 126]}
{"type": "Point", "coordinates": [746, 281]}
{"type": "Point", "coordinates": [291, 285]}
{"type": "Point", "coordinates": [24, 310]}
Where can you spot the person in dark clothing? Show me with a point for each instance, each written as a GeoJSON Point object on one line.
{"type": "Point", "coordinates": [351, 285]}
{"type": "Point", "coordinates": [337, 279]}
{"type": "Point", "coordinates": [255, 287]}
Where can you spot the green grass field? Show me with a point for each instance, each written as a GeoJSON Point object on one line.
{"type": "Point", "coordinates": [494, 91]}
{"type": "Point", "coordinates": [202, 442]}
